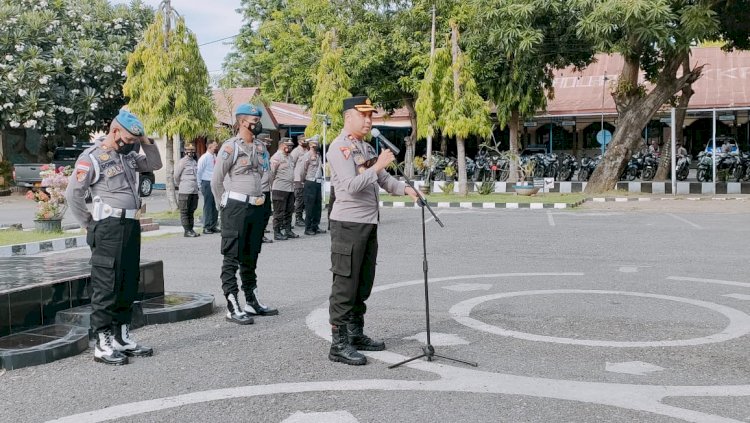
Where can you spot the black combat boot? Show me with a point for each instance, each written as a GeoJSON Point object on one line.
{"type": "Point", "coordinates": [123, 343]}
{"type": "Point", "coordinates": [359, 340]}
{"type": "Point", "coordinates": [299, 221]}
{"type": "Point", "coordinates": [105, 353]}
{"type": "Point", "coordinates": [254, 307]}
{"type": "Point", "coordinates": [342, 351]}
{"type": "Point", "coordinates": [190, 233]}
{"type": "Point", "coordinates": [279, 236]}
{"type": "Point", "coordinates": [267, 240]}
{"type": "Point", "coordinates": [235, 313]}
{"type": "Point", "coordinates": [290, 234]}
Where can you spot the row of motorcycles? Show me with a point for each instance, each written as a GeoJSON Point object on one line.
{"type": "Point", "coordinates": [642, 165]}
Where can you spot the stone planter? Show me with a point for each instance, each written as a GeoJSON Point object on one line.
{"type": "Point", "coordinates": [525, 189]}
{"type": "Point", "coordinates": [50, 225]}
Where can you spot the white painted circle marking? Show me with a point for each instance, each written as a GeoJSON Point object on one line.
{"type": "Point", "coordinates": [739, 322]}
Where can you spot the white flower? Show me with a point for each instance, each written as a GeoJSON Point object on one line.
{"type": "Point", "coordinates": [29, 123]}
{"type": "Point", "coordinates": [82, 62]}
{"type": "Point", "coordinates": [38, 114]}
{"type": "Point", "coordinates": [71, 125]}
{"type": "Point", "coordinates": [75, 91]}
{"type": "Point", "coordinates": [94, 106]}
{"type": "Point", "coordinates": [108, 68]}
{"type": "Point", "coordinates": [20, 47]}
{"type": "Point", "coordinates": [59, 41]}
{"type": "Point", "coordinates": [89, 122]}
{"type": "Point", "coordinates": [14, 124]}
{"type": "Point", "coordinates": [22, 92]}
{"type": "Point", "coordinates": [118, 26]}
{"type": "Point", "coordinates": [11, 77]}
{"type": "Point", "coordinates": [57, 62]}
{"type": "Point", "coordinates": [68, 110]}
{"type": "Point", "coordinates": [7, 105]}
{"type": "Point", "coordinates": [9, 57]}
{"type": "Point", "coordinates": [43, 80]}
{"type": "Point", "coordinates": [86, 18]}
{"type": "Point", "coordinates": [43, 3]}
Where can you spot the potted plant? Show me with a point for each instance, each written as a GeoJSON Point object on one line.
{"type": "Point", "coordinates": [50, 199]}
{"type": "Point", "coordinates": [450, 173]}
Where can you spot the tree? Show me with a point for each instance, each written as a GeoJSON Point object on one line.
{"type": "Point", "coordinates": [62, 64]}
{"type": "Point", "coordinates": [517, 45]}
{"type": "Point", "coordinates": [168, 87]}
{"type": "Point", "coordinates": [654, 36]}
{"type": "Point", "coordinates": [331, 88]}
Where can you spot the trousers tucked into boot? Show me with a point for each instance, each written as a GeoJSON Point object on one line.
{"type": "Point", "coordinates": [341, 350]}
{"type": "Point", "coordinates": [361, 341]}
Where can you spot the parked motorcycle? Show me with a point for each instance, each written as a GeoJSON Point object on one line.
{"type": "Point", "coordinates": [587, 167]}
{"type": "Point", "coordinates": [683, 167]}
{"type": "Point", "coordinates": [650, 164]}
{"type": "Point", "coordinates": [568, 167]}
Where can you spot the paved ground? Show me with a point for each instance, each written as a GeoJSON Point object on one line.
{"type": "Point", "coordinates": [600, 314]}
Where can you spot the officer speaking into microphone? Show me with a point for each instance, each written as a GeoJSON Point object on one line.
{"type": "Point", "coordinates": [357, 173]}
{"type": "Point", "coordinates": [109, 169]}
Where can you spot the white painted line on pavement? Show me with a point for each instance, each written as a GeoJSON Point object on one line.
{"type": "Point", "coordinates": [550, 219]}
{"type": "Point", "coordinates": [742, 297]}
{"type": "Point", "coordinates": [439, 339]}
{"type": "Point", "coordinates": [330, 417]}
{"type": "Point", "coordinates": [714, 281]}
{"type": "Point", "coordinates": [739, 322]}
{"type": "Point", "coordinates": [683, 220]}
{"type": "Point", "coordinates": [638, 368]}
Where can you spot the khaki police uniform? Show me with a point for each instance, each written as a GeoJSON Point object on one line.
{"type": "Point", "coordinates": [185, 177]}
{"type": "Point", "coordinates": [113, 230]}
{"type": "Point", "coordinates": [282, 192]}
{"type": "Point", "coordinates": [299, 183]}
{"type": "Point", "coordinates": [310, 170]}
{"type": "Point", "coordinates": [354, 223]}
{"type": "Point", "coordinates": [241, 166]}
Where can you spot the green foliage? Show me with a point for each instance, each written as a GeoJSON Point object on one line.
{"type": "Point", "coordinates": [487, 188]}
{"type": "Point", "coordinates": [6, 173]}
{"type": "Point", "coordinates": [447, 188]}
{"type": "Point", "coordinates": [62, 63]}
{"type": "Point", "coordinates": [331, 88]}
{"type": "Point", "coordinates": [168, 87]}
{"type": "Point", "coordinates": [450, 171]}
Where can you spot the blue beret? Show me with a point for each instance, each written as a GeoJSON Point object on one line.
{"type": "Point", "coordinates": [131, 123]}
{"type": "Point", "coordinates": [248, 109]}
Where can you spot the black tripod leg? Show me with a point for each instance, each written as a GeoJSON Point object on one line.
{"type": "Point", "coordinates": [393, 366]}
{"type": "Point", "coordinates": [470, 363]}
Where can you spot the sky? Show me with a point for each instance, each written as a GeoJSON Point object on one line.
{"type": "Point", "coordinates": [210, 20]}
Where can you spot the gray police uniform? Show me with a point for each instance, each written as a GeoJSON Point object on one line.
{"type": "Point", "coordinates": [299, 203]}
{"type": "Point", "coordinates": [185, 177]}
{"type": "Point", "coordinates": [265, 187]}
{"type": "Point", "coordinates": [310, 170]}
{"type": "Point", "coordinates": [282, 191]}
{"type": "Point", "coordinates": [241, 211]}
{"type": "Point", "coordinates": [354, 225]}
{"type": "Point", "coordinates": [113, 230]}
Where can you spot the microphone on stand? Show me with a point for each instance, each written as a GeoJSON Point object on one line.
{"type": "Point", "coordinates": [383, 140]}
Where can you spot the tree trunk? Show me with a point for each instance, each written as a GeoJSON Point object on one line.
{"type": "Point", "coordinates": [411, 140]}
{"type": "Point", "coordinates": [513, 165]}
{"type": "Point", "coordinates": [687, 91]}
{"type": "Point", "coordinates": [460, 147]}
{"type": "Point", "coordinates": [170, 174]}
{"type": "Point", "coordinates": [635, 111]}
{"type": "Point", "coordinates": [463, 187]}
{"type": "Point", "coordinates": [443, 145]}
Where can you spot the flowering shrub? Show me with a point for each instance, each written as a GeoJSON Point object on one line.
{"type": "Point", "coordinates": [51, 199]}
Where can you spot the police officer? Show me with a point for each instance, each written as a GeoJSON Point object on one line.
{"type": "Point", "coordinates": [299, 203]}
{"type": "Point", "coordinates": [109, 169]}
{"type": "Point", "coordinates": [243, 159]}
{"type": "Point", "coordinates": [265, 184]}
{"type": "Point", "coordinates": [282, 191]}
{"type": "Point", "coordinates": [185, 177]}
{"type": "Point", "coordinates": [357, 172]}
{"type": "Point", "coordinates": [205, 172]}
{"type": "Point", "coordinates": [310, 170]}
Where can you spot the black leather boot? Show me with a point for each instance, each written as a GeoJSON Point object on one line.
{"type": "Point", "coordinates": [190, 233]}
{"type": "Point", "coordinates": [300, 221]}
{"type": "Point", "coordinates": [105, 353]}
{"type": "Point", "coordinates": [342, 351]}
{"type": "Point", "coordinates": [267, 240]}
{"type": "Point", "coordinates": [125, 344]}
{"type": "Point", "coordinates": [254, 307]}
{"type": "Point", "coordinates": [235, 313]}
{"type": "Point", "coordinates": [290, 234]}
{"type": "Point", "coordinates": [279, 236]}
{"type": "Point", "coordinates": [361, 341]}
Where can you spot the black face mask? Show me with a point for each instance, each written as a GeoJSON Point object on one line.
{"type": "Point", "coordinates": [190, 154]}
{"type": "Point", "coordinates": [124, 148]}
{"type": "Point", "coordinates": [256, 128]}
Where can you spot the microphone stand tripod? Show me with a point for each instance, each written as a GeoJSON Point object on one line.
{"type": "Point", "coordinates": [428, 351]}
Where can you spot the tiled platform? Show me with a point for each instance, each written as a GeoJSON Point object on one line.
{"type": "Point", "coordinates": [34, 289]}
{"type": "Point", "coordinates": [42, 345]}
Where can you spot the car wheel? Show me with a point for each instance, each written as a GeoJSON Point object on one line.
{"type": "Point", "coordinates": [146, 186]}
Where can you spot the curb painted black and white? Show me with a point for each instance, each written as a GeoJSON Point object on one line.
{"type": "Point", "coordinates": [681, 188]}
{"type": "Point", "coordinates": [37, 247]}
{"type": "Point", "coordinates": [472, 205]}
{"type": "Point", "coordinates": [642, 199]}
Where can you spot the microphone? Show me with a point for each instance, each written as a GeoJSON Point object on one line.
{"type": "Point", "coordinates": [389, 145]}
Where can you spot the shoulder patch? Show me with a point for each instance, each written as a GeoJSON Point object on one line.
{"type": "Point", "coordinates": [346, 152]}
{"type": "Point", "coordinates": [83, 166]}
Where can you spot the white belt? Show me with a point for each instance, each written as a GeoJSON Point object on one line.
{"type": "Point", "coordinates": [103, 210]}
{"type": "Point", "coordinates": [258, 201]}
{"type": "Point", "coordinates": [316, 180]}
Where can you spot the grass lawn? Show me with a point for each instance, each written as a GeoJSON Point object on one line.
{"type": "Point", "coordinates": [495, 198]}
{"type": "Point", "coordinates": [11, 237]}
{"type": "Point", "coordinates": [171, 215]}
